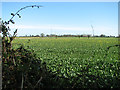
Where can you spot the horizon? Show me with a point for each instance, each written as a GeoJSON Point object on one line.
{"type": "Point", "coordinates": [60, 18]}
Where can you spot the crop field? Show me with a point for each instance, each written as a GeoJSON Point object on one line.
{"type": "Point", "coordinates": [88, 60]}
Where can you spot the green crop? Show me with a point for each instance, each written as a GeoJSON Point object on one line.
{"type": "Point", "coordinates": [84, 62]}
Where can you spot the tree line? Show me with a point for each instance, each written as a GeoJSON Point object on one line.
{"type": "Point", "coordinates": [68, 35]}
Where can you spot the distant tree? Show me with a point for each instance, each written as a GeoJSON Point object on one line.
{"type": "Point", "coordinates": [37, 36]}
{"type": "Point", "coordinates": [81, 35]}
{"type": "Point", "coordinates": [96, 36]}
{"type": "Point", "coordinates": [52, 35]}
{"type": "Point", "coordinates": [112, 36]}
{"type": "Point", "coordinates": [88, 36]}
{"type": "Point", "coordinates": [102, 35]}
{"type": "Point", "coordinates": [47, 35]}
{"type": "Point", "coordinates": [42, 34]}
{"type": "Point", "coordinates": [56, 36]}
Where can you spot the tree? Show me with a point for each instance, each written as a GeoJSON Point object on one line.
{"type": "Point", "coordinates": [56, 36]}
{"type": "Point", "coordinates": [47, 35]}
{"type": "Point", "coordinates": [42, 34]}
{"type": "Point", "coordinates": [19, 64]}
{"type": "Point", "coordinates": [37, 36]}
{"type": "Point", "coordinates": [102, 35]}
{"type": "Point", "coordinates": [88, 36]}
{"type": "Point", "coordinates": [79, 36]}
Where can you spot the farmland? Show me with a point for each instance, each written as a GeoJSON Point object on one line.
{"type": "Point", "coordinates": [88, 60]}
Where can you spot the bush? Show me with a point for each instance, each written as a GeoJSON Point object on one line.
{"type": "Point", "coordinates": [21, 67]}
{"type": "Point", "coordinates": [23, 70]}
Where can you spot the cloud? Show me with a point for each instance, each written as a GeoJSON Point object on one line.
{"type": "Point", "coordinates": [67, 29]}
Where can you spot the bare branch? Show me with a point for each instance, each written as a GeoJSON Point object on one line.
{"type": "Point", "coordinates": [13, 15]}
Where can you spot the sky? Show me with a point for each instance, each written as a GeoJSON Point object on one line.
{"type": "Point", "coordinates": [63, 18]}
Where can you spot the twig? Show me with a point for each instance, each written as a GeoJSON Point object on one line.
{"type": "Point", "coordinates": [38, 82]}
{"type": "Point", "coordinates": [21, 10]}
{"type": "Point", "coordinates": [22, 82]}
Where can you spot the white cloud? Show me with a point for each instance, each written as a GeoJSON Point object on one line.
{"type": "Point", "coordinates": [61, 27]}
{"type": "Point", "coordinates": [67, 29]}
